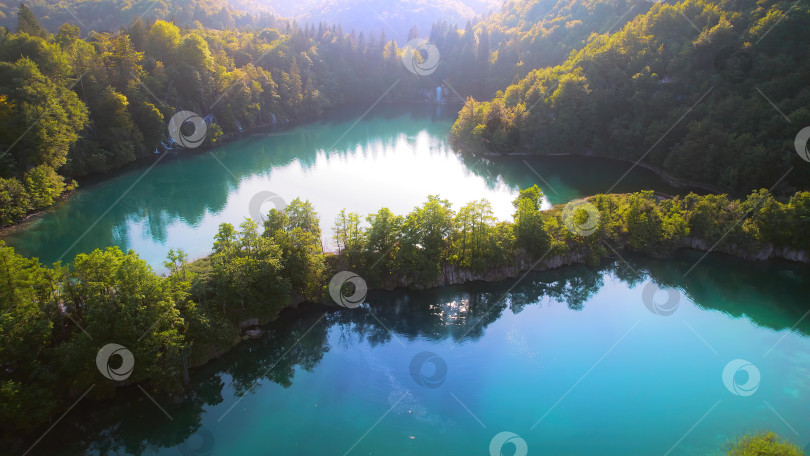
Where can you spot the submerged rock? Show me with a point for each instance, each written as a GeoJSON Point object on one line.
{"type": "Point", "coordinates": [254, 333]}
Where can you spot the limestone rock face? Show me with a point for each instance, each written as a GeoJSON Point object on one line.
{"type": "Point", "coordinates": [254, 333]}
{"type": "Point", "coordinates": [766, 253]}
{"type": "Point", "coordinates": [249, 323]}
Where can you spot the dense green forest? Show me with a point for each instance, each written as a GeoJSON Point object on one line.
{"type": "Point", "coordinates": [192, 315]}
{"type": "Point", "coordinates": [528, 34]}
{"type": "Point", "coordinates": [72, 106]}
{"type": "Point", "coordinates": [713, 92]}
{"type": "Point", "coordinates": [521, 36]}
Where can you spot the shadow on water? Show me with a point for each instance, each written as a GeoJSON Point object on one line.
{"type": "Point", "coordinates": [565, 178]}
{"type": "Point", "coordinates": [771, 295]}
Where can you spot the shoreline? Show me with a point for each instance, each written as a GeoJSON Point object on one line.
{"type": "Point", "coordinates": [179, 154]}
{"type": "Point", "coordinates": [451, 275]}
{"type": "Point", "coordinates": [89, 181]}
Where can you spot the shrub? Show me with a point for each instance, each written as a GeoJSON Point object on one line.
{"type": "Point", "coordinates": [764, 444]}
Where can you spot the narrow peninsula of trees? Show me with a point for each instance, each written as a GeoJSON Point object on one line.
{"type": "Point", "coordinates": [55, 317]}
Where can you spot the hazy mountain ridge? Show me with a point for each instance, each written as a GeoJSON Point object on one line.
{"type": "Point", "coordinates": [111, 15]}
{"type": "Point", "coordinates": [397, 18]}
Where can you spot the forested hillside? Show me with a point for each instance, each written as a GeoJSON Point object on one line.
{"type": "Point", "coordinates": [728, 78]}
{"type": "Point", "coordinates": [708, 91]}
{"type": "Point", "coordinates": [96, 101]}
{"type": "Point", "coordinates": [529, 34]}
{"type": "Point", "coordinates": [70, 107]}
{"type": "Point", "coordinates": [628, 80]}
{"type": "Point", "coordinates": [485, 56]}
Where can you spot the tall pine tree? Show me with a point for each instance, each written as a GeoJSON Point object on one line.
{"type": "Point", "coordinates": [27, 22]}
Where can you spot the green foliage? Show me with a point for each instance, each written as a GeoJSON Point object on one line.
{"type": "Point", "coordinates": [418, 248]}
{"type": "Point", "coordinates": [116, 297]}
{"type": "Point", "coordinates": [51, 115]}
{"type": "Point", "coordinates": [62, 316]}
{"type": "Point", "coordinates": [14, 201]}
{"type": "Point", "coordinates": [764, 444]}
{"type": "Point", "coordinates": [39, 120]}
{"type": "Point", "coordinates": [349, 238]}
{"type": "Point", "coordinates": [162, 41]}
{"type": "Point", "coordinates": [643, 222]}
{"type": "Point", "coordinates": [470, 242]}
{"type": "Point", "coordinates": [27, 23]}
{"type": "Point", "coordinates": [191, 315]}
{"type": "Point", "coordinates": [26, 325]}
{"type": "Point", "coordinates": [530, 234]}
{"type": "Point", "coordinates": [114, 14]}
{"type": "Point", "coordinates": [90, 105]}
{"type": "Point", "coordinates": [621, 92]}
{"type": "Point", "coordinates": [425, 240]}
{"type": "Point", "coordinates": [43, 186]}
{"type": "Point", "coordinates": [247, 271]}
{"type": "Point", "coordinates": [381, 242]}
{"type": "Point", "coordinates": [297, 232]}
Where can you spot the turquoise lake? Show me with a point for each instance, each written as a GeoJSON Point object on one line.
{"type": "Point", "coordinates": [394, 157]}
{"type": "Point", "coordinates": [574, 361]}
{"type": "Point", "coordinates": [571, 361]}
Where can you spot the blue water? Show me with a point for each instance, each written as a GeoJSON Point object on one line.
{"type": "Point", "coordinates": [571, 361]}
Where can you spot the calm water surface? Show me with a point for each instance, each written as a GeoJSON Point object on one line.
{"type": "Point", "coordinates": [570, 360]}
{"type": "Point", "coordinates": [395, 157]}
